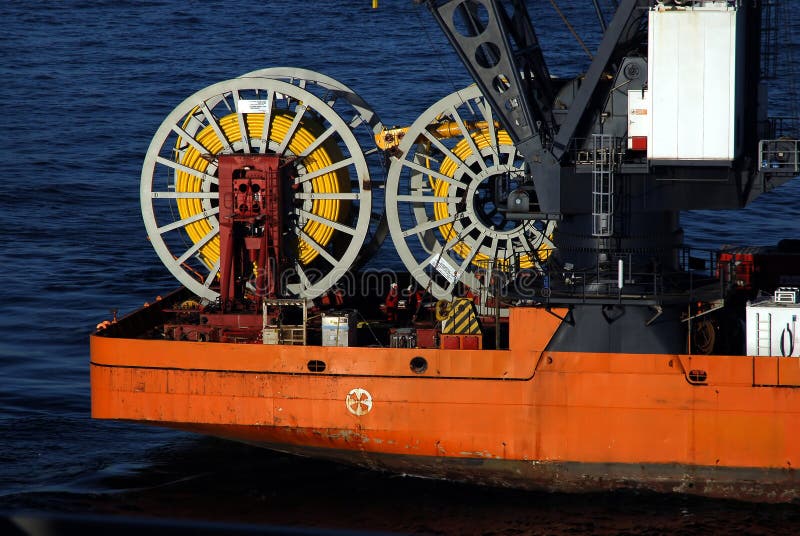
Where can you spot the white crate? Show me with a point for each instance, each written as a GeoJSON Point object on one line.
{"type": "Point", "coordinates": [271, 335]}
{"type": "Point", "coordinates": [772, 329]}
{"type": "Point", "coordinates": [339, 328]}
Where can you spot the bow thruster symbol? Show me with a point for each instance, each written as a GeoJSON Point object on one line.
{"type": "Point", "coordinates": [358, 401]}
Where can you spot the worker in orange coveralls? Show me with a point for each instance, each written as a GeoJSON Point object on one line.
{"type": "Point", "coordinates": [415, 300]}
{"type": "Point", "coordinates": [392, 299]}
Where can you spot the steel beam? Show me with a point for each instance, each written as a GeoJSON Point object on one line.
{"type": "Point", "coordinates": [502, 54]}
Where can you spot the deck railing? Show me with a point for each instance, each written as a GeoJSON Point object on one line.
{"type": "Point", "coordinates": [779, 156]}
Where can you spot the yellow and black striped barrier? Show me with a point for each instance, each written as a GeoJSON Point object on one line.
{"type": "Point", "coordinates": [458, 317]}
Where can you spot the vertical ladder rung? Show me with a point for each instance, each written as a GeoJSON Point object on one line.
{"type": "Point", "coordinates": [763, 334]}
{"type": "Point", "coordinates": [602, 185]}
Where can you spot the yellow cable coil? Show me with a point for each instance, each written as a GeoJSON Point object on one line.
{"type": "Point", "coordinates": [441, 210]}
{"type": "Point", "coordinates": [326, 154]}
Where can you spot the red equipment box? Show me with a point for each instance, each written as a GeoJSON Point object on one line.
{"type": "Point", "coordinates": [461, 342]}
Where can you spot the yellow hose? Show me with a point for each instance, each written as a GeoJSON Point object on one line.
{"type": "Point", "coordinates": [440, 188]}
{"type": "Point", "coordinates": [326, 154]}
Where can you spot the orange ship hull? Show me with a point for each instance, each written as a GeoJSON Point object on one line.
{"type": "Point", "coordinates": [723, 426]}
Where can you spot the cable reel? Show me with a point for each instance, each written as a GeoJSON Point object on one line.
{"type": "Point", "coordinates": [444, 190]}
{"type": "Point", "coordinates": [331, 193]}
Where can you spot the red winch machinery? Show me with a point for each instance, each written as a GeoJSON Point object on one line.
{"type": "Point", "coordinates": [250, 228]}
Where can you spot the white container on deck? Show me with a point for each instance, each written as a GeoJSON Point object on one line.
{"type": "Point", "coordinates": [695, 82]}
{"type": "Point", "coordinates": [339, 328]}
{"type": "Point", "coordinates": [772, 329]}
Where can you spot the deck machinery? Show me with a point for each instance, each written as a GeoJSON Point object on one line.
{"type": "Point", "coordinates": [537, 219]}
{"type": "Point", "coordinates": [521, 189]}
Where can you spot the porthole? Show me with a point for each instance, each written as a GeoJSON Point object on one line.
{"type": "Point", "coordinates": [316, 365]}
{"type": "Point", "coordinates": [419, 365]}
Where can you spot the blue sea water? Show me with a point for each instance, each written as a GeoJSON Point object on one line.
{"type": "Point", "coordinates": [84, 86]}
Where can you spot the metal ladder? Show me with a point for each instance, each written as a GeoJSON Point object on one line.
{"type": "Point", "coordinates": [764, 334]}
{"type": "Point", "coordinates": [602, 185]}
{"type": "Point", "coordinates": [769, 39]}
